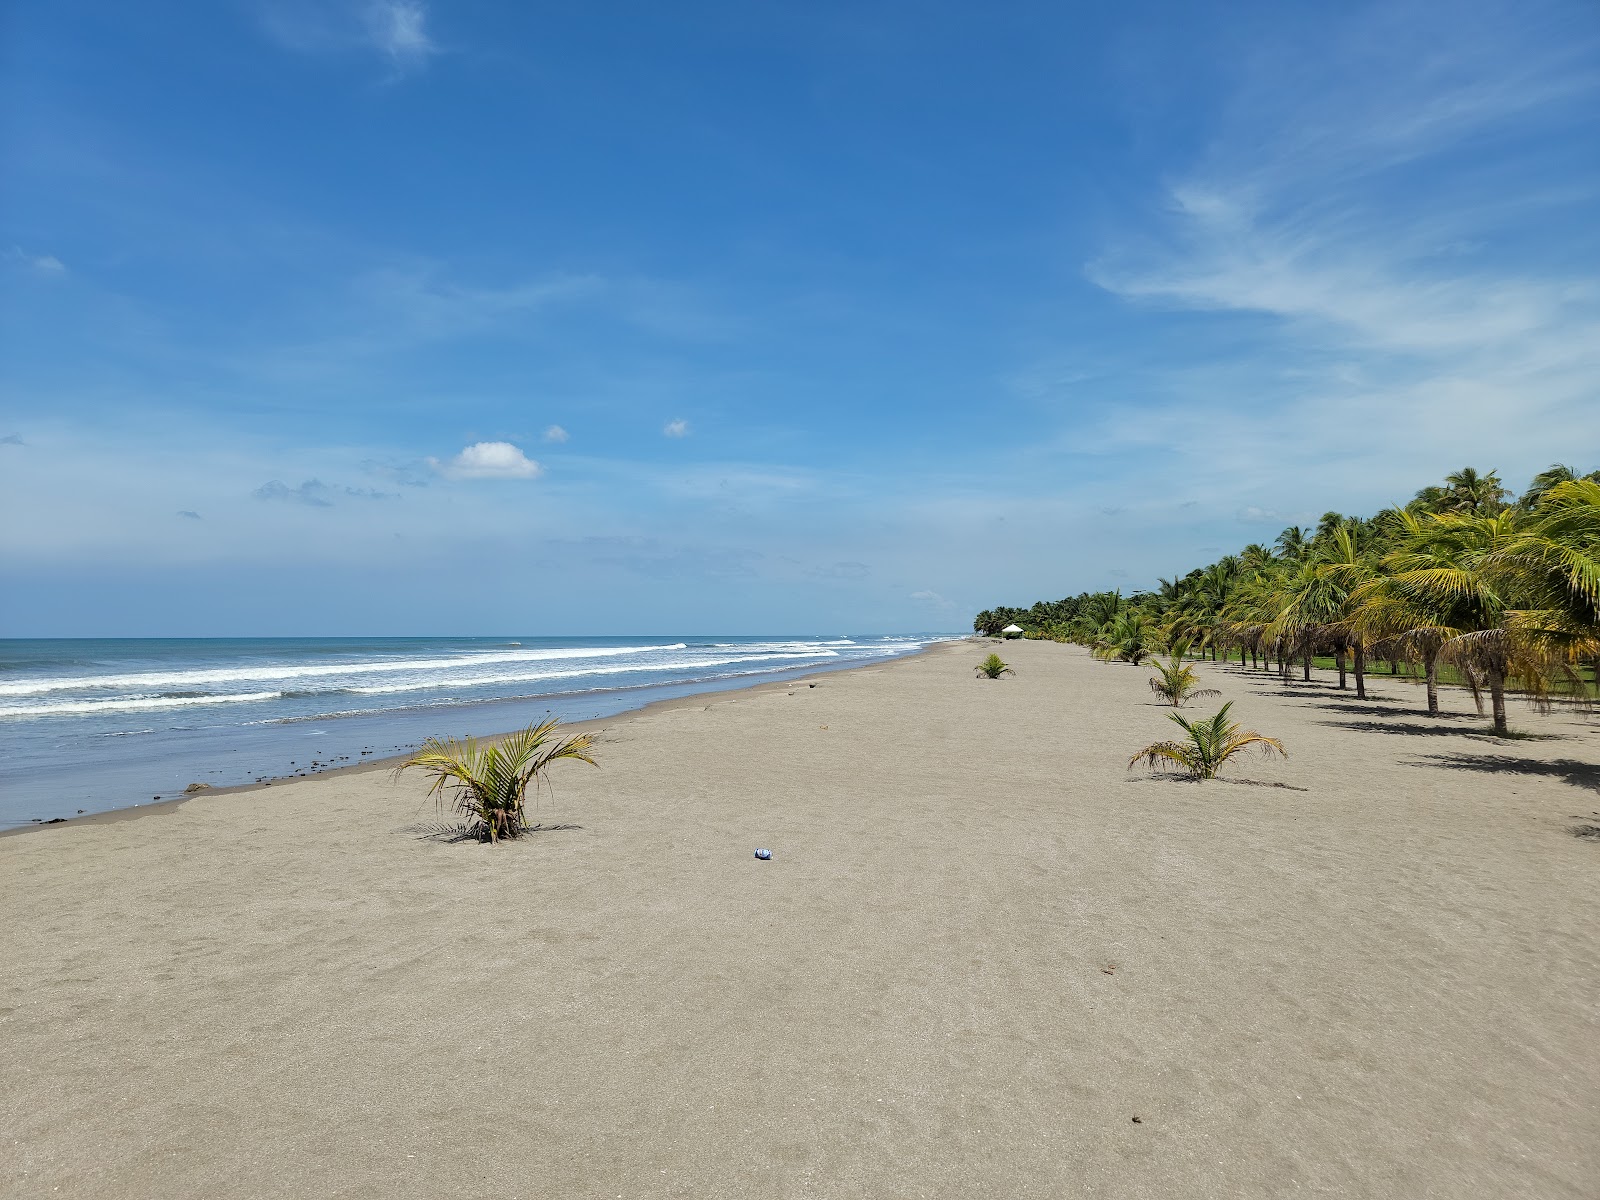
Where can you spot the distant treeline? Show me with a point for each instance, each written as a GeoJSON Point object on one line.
{"type": "Point", "coordinates": [1502, 588]}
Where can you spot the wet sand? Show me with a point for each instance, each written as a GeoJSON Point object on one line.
{"type": "Point", "coordinates": [982, 949]}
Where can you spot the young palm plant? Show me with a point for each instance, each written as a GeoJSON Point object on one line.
{"type": "Point", "coordinates": [1175, 681]}
{"type": "Point", "coordinates": [1209, 744]}
{"type": "Point", "coordinates": [993, 667]}
{"type": "Point", "coordinates": [488, 784]}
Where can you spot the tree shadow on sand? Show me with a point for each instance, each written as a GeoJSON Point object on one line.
{"type": "Point", "coordinates": [1422, 728]}
{"type": "Point", "coordinates": [451, 832]}
{"type": "Point", "coordinates": [1569, 770]}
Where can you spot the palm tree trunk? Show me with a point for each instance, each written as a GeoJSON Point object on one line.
{"type": "Point", "coordinates": [1361, 669]}
{"type": "Point", "coordinates": [1338, 658]}
{"type": "Point", "coordinates": [1305, 658]}
{"type": "Point", "coordinates": [1497, 696]}
{"type": "Point", "coordinates": [1394, 665]}
{"type": "Point", "coordinates": [1433, 683]}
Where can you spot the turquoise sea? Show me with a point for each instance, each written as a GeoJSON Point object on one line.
{"type": "Point", "coordinates": [88, 725]}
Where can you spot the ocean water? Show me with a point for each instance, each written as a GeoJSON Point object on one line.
{"type": "Point", "coordinates": [97, 724]}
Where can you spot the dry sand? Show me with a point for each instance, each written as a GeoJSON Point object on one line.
{"type": "Point", "coordinates": [983, 948]}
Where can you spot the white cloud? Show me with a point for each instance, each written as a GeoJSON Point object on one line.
{"type": "Point", "coordinates": [933, 599]}
{"type": "Point", "coordinates": [396, 29]}
{"type": "Point", "coordinates": [490, 460]}
{"type": "Point", "coordinates": [676, 428]}
{"type": "Point", "coordinates": [556, 434]}
{"type": "Point", "coordinates": [44, 264]}
{"type": "Point", "coordinates": [399, 28]}
{"type": "Point", "coordinates": [1383, 262]}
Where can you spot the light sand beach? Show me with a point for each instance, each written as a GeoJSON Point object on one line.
{"type": "Point", "coordinates": [985, 960]}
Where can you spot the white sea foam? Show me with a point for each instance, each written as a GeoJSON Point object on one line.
{"type": "Point", "coordinates": [456, 702]}
{"type": "Point", "coordinates": [142, 703]}
{"type": "Point", "coordinates": [128, 704]}
{"type": "Point", "coordinates": [31, 687]}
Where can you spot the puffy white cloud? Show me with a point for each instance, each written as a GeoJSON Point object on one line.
{"type": "Point", "coordinates": [676, 428]}
{"type": "Point", "coordinates": [555, 434]}
{"type": "Point", "coordinates": [490, 460]}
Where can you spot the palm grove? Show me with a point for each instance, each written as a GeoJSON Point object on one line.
{"type": "Point", "coordinates": [1465, 584]}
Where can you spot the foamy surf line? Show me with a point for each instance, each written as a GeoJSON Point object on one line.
{"type": "Point", "coordinates": [149, 703]}
{"type": "Point", "coordinates": [313, 671]}
{"type": "Point", "coordinates": [465, 703]}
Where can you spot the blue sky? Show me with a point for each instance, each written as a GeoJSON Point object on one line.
{"type": "Point", "coordinates": [418, 316]}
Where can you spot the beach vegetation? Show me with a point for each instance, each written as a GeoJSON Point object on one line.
{"type": "Point", "coordinates": [1466, 584]}
{"type": "Point", "coordinates": [1207, 745]}
{"type": "Point", "coordinates": [993, 667]}
{"type": "Point", "coordinates": [487, 782]}
{"type": "Point", "coordinates": [1175, 681]}
{"type": "Point", "coordinates": [1128, 637]}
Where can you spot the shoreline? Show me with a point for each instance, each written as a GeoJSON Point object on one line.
{"type": "Point", "coordinates": [114, 816]}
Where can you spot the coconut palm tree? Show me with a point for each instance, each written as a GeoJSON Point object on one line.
{"type": "Point", "coordinates": [1557, 560]}
{"type": "Point", "coordinates": [1207, 746]}
{"type": "Point", "coordinates": [1292, 543]}
{"type": "Point", "coordinates": [1306, 604]}
{"type": "Point", "coordinates": [1128, 638]}
{"type": "Point", "coordinates": [1458, 583]}
{"type": "Point", "coordinates": [1255, 556]}
{"type": "Point", "coordinates": [488, 783]}
{"type": "Point", "coordinates": [1386, 609]}
{"type": "Point", "coordinates": [1545, 480]}
{"type": "Point", "coordinates": [1344, 567]}
{"type": "Point", "coordinates": [1175, 681]}
{"type": "Point", "coordinates": [1469, 492]}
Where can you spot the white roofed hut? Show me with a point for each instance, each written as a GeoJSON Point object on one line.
{"type": "Point", "coordinates": [1011, 631]}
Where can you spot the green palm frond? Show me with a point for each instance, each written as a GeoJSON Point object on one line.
{"type": "Point", "coordinates": [1209, 744]}
{"type": "Point", "coordinates": [993, 667]}
{"type": "Point", "coordinates": [1176, 681]}
{"type": "Point", "coordinates": [488, 782]}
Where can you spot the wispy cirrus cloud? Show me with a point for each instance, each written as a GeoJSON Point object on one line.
{"type": "Point", "coordinates": [315, 493]}
{"type": "Point", "coordinates": [397, 30]}
{"type": "Point", "coordinates": [39, 264]}
{"type": "Point", "coordinates": [1388, 273]}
